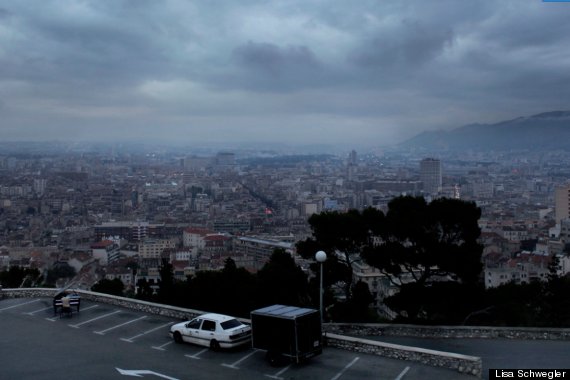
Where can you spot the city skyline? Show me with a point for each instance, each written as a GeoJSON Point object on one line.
{"type": "Point", "coordinates": [264, 72]}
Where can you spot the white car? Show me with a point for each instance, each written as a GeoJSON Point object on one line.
{"type": "Point", "coordinates": [212, 330]}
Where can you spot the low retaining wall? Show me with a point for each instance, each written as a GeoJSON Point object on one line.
{"type": "Point", "coordinates": [439, 332]}
{"type": "Point", "coordinates": [129, 303]}
{"type": "Point", "coordinates": [471, 365]}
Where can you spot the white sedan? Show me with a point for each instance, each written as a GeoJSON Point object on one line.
{"type": "Point", "coordinates": [212, 330]}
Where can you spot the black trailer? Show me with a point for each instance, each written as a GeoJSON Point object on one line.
{"type": "Point", "coordinates": [287, 332]}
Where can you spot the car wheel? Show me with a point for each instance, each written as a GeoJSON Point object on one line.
{"type": "Point", "coordinates": [177, 337]}
{"type": "Point", "coordinates": [214, 345]}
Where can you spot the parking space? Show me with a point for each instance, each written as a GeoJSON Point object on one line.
{"type": "Point", "coordinates": [103, 341]}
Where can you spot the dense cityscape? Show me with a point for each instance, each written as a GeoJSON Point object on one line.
{"type": "Point", "coordinates": [120, 212]}
{"type": "Point", "coordinates": [380, 188]}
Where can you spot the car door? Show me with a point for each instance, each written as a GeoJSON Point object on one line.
{"type": "Point", "coordinates": [192, 331]}
{"type": "Point", "coordinates": [208, 331]}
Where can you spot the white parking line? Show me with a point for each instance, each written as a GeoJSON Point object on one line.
{"type": "Point", "coordinates": [131, 339]}
{"type": "Point", "coordinates": [338, 375]}
{"type": "Point", "coordinates": [121, 325]}
{"type": "Point", "coordinates": [37, 311]}
{"type": "Point", "coordinates": [142, 372]}
{"type": "Point", "coordinates": [195, 356]}
{"type": "Point", "coordinates": [90, 307]}
{"type": "Point", "coordinates": [402, 374]}
{"type": "Point", "coordinates": [276, 376]}
{"type": "Point", "coordinates": [94, 319]}
{"type": "Point", "coordinates": [234, 365]}
{"type": "Point", "coordinates": [161, 348]}
{"type": "Point", "coordinates": [20, 304]}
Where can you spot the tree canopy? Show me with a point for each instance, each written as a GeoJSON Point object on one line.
{"type": "Point", "coordinates": [415, 244]}
{"type": "Point", "coordinates": [281, 281]}
{"type": "Point", "coordinates": [62, 270]}
{"type": "Point", "coordinates": [343, 236]}
{"type": "Point", "coordinates": [228, 291]}
{"type": "Point", "coordinates": [16, 276]}
{"type": "Point", "coordinates": [431, 252]}
{"type": "Point", "coordinates": [421, 242]}
{"type": "Point", "coordinates": [113, 287]}
{"type": "Point", "coordinates": [233, 290]}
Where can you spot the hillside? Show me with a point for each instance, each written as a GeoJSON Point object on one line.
{"type": "Point", "coordinates": [549, 130]}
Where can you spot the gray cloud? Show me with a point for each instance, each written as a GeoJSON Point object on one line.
{"type": "Point", "coordinates": [258, 70]}
{"type": "Point", "coordinates": [4, 13]}
{"type": "Point", "coordinates": [270, 67]}
{"type": "Point", "coordinates": [274, 60]}
{"type": "Point", "coordinates": [410, 44]}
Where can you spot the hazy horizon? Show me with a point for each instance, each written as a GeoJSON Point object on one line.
{"type": "Point", "coordinates": [302, 72]}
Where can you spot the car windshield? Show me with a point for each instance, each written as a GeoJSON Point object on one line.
{"type": "Point", "coordinates": [230, 324]}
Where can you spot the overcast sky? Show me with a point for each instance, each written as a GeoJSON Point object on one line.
{"type": "Point", "coordinates": [326, 71]}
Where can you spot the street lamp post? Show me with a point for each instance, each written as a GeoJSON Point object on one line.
{"type": "Point", "coordinates": [321, 256]}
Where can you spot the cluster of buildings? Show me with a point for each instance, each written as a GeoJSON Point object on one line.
{"type": "Point", "coordinates": [122, 215]}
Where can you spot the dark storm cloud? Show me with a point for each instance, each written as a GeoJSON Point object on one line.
{"type": "Point", "coordinates": [361, 71]}
{"type": "Point", "coordinates": [274, 60]}
{"type": "Point", "coordinates": [271, 67]}
{"type": "Point", "coordinates": [524, 27]}
{"type": "Point", "coordinates": [411, 44]}
{"type": "Point", "coordinates": [95, 51]}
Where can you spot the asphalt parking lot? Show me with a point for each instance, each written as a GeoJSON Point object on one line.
{"type": "Point", "coordinates": [106, 342]}
{"type": "Point", "coordinates": [498, 353]}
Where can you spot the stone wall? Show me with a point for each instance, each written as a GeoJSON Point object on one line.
{"type": "Point", "coordinates": [129, 303]}
{"type": "Point", "coordinates": [471, 365]}
{"type": "Point", "coordinates": [463, 332]}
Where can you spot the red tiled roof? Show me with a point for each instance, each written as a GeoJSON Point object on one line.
{"type": "Point", "coordinates": [216, 238]}
{"type": "Point", "coordinates": [197, 231]}
{"type": "Point", "coordinates": [101, 244]}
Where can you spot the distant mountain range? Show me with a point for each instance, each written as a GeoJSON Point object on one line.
{"type": "Point", "coordinates": [545, 131]}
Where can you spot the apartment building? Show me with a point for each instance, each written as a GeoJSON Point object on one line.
{"type": "Point", "coordinates": [106, 251]}
{"type": "Point", "coordinates": [260, 250]}
{"type": "Point", "coordinates": [132, 231]}
{"type": "Point", "coordinates": [562, 203]}
{"type": "Point", "coordinates": [194, 237]}
{"type": "Point", "coordinates": [153, 248]}
{"type": "Point", "coordinates": [430, 175]}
